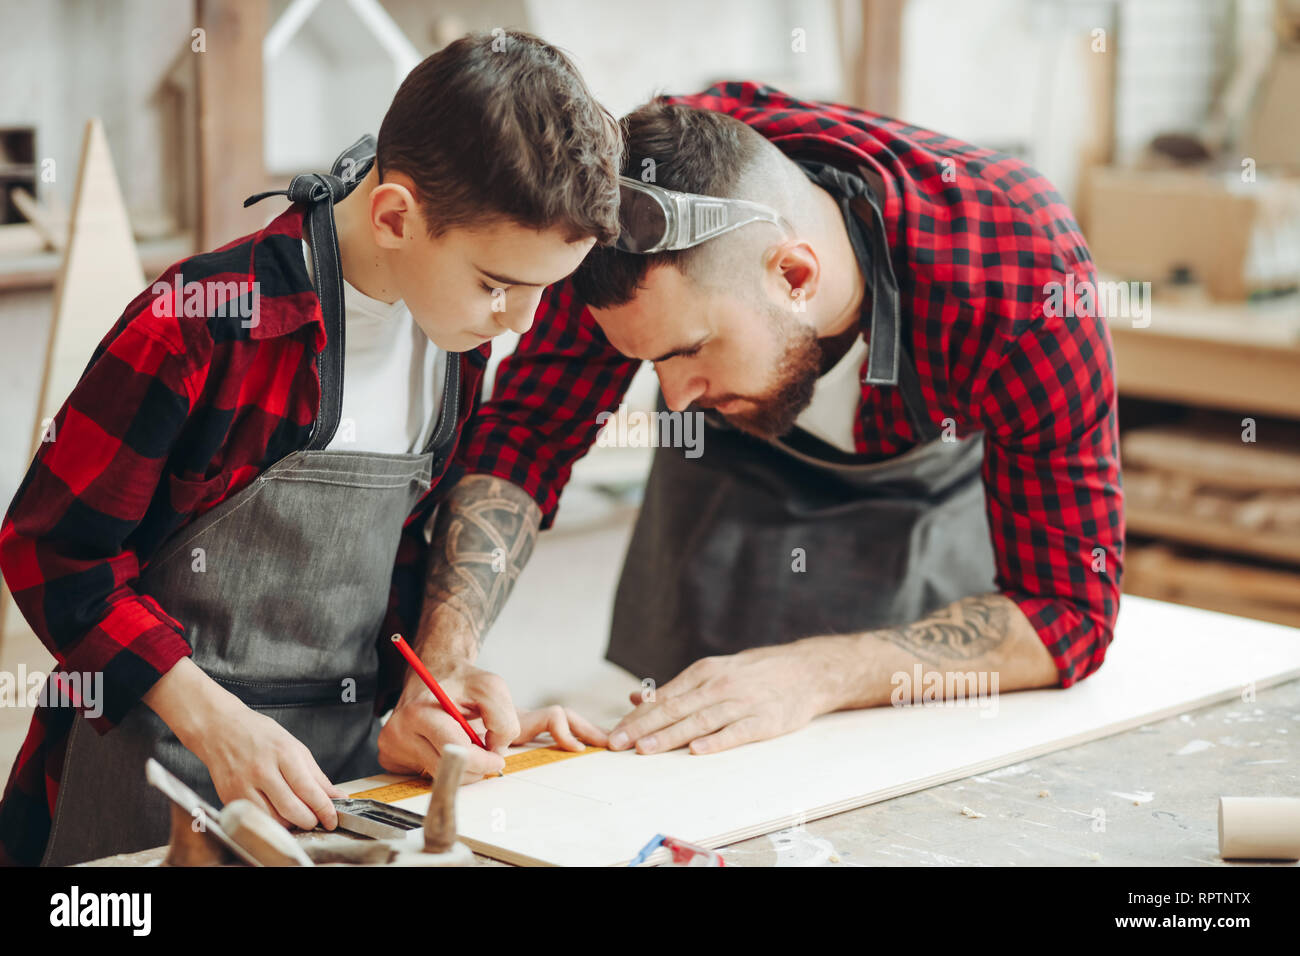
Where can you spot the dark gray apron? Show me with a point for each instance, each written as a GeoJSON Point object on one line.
{"type": "Point", "coordinates": [711, 568]}
{"type": "Point", "coordinates": [285, 613]}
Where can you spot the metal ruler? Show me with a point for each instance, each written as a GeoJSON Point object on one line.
{"type": "Point", "coordinates": [524, 760]}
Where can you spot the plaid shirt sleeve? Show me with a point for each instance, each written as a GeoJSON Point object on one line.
{"type": "Point", "coordinates": [542, 416]}
{"type": "Point", "coordinates": [67, 544]}
{"type": "Point", "coordinates": [1052, 484]}
{"type": "Point", "coordinates": [975, 235]}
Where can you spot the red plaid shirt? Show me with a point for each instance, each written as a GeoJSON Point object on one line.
{"type": "Point", "coordinates": [171, 417]}
{"type": "Point", "coordinates": [974, 238]}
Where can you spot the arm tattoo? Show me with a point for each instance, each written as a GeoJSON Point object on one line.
{"type": "Point", "coordinates": [963, 631]}
{"type": "Point", "coordinates": [482, 538]}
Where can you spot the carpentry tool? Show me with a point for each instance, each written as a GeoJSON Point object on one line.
{"type": "Point", "coordinates": [258, 832]}
{"type": "Point", "coordinates": [375, 819]}
{"type": "Point", "coordinates": [440, 845]}
{"type": "Point", "coordinates": [191, 846]}
{"type": "Point", "coordinates": [684, 854]}
{"type": "Point", "coordinates": [447, 703]}
{"type": "Point", "coordinates": [524, 760]}
{"type": "Point", "coordinates": [418, 841]}
{"type": "Point", "coordinates": [244, 831]}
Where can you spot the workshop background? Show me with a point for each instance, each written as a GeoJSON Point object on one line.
{"type": "Point", "coordinates": [1168, 125]}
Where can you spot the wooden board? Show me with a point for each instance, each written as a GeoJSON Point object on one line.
{"type": "Point", "coordinates": [101, 274]}
{"type": "Point", "coordinates": [601, 808]}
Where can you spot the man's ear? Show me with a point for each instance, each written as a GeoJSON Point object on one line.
{"type": "Point", "coordinates": [795, 267]}
{"type": "Point", "coordinates": [395, 217]}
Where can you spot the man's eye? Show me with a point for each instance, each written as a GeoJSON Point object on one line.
{"type": "Point", "coordinates": [691, 354]}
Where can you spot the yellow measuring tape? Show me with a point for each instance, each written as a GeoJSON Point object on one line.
{"type": "Point", "coordinates": [524, 760]}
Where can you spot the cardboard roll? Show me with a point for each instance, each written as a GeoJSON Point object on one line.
{"type": "Point", "coordinates": [1259, 828]}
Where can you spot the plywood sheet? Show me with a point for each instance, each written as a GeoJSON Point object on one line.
{"type": "Point", "coordinates": [600, 809]}
{"type": "Point", "coordinates": [101, 274]}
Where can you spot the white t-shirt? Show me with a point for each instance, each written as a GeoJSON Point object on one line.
{"type": "Point", "coordinates": [392, 376]}
{"type": "Point", "coordinates": [837, 400]}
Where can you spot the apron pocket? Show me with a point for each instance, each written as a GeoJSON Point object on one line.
{"type": "Point", "coordinates": [268, 695]}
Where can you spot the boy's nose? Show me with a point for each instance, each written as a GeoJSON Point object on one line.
{"type": "Point", "coordinates": [519, 316]}
{"type": "Point", "coordinates": [519, 322]}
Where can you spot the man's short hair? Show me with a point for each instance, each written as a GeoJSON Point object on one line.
{"type": "Point", "coordinates": [502, 127]}
{"type": "Point", "coordinates": [681, 148]}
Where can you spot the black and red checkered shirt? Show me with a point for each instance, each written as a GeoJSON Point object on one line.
{"type": "Point", "coordinates": [172, 416]}
{"type": "Point", "coordinates": [975, 238]}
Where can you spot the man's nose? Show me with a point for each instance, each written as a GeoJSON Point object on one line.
{"type": "Point", "coordinates": [680, 390]}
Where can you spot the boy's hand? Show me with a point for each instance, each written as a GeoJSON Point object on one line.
{"type": "Point", "coordinates": [247, 754]}
{"type": "Point", "coordinates": [255, 758]}
{"type": "Point", "coordinates": [419, 728]}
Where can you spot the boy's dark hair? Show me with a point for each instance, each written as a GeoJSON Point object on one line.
{"type": "Point", "coordinates": [501, 126]}
{"type": "Point", "coordinates": [690, 150]}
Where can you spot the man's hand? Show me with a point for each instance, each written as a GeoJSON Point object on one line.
{"type": "Point", "coordinates": [723, 702]}
{"type": "Point", "coordinates": [567, 728]}
{"type": "Point", "coordinates": [412, 739]}
{"type": "Point", "coordinates": [480, 541]}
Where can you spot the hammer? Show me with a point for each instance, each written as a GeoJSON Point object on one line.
{"type": "Point", "coordinates": [440, 821]}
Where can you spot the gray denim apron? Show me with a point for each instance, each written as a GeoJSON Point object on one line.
{"type": "Point", "coordinates": [282, 589]}
{"type": "Point", "coordinates": [757, 543]}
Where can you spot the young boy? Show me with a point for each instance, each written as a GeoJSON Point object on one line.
{"type": "Point", "coordinates": [230, 520]}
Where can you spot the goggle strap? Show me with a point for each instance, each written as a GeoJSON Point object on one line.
{"type": "Point", "coordinates": [710, 219]}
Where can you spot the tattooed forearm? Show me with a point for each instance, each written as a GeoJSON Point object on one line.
{"type": "Point", "coordinates": [963, 631]}
{"type": "Point", "coordinates": [981, 634]}
{"type": "Point", "coordinates": [482, 538]}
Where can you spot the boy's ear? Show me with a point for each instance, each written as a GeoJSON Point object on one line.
{"type": "Point", "coordinates": [394, 214]}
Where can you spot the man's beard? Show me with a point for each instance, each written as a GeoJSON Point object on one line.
{"type": "Point", "coordinates": [796, 376]}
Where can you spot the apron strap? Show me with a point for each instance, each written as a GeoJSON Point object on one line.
{"type": "Point", "coordinates": [871, 247]}
{"type": "Point", "coordinates": [319, 192]}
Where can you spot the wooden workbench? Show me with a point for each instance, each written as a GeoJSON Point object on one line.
{"type": "Point", "coordinates": [1145, 797]}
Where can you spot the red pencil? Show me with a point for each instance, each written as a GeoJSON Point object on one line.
{"type": "Point", "coordinates": [438, 692]}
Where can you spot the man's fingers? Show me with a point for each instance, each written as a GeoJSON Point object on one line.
{"type": "Point", "coordinates": [664, 713]}
{"type": "Point", "coordinates": [531, 723]}
{"type": "Point", "coordinates": [747, 730]}
{"type": "Point", "coordinates": [689, 679]}
{"type": "Point", "coordinates": [557, 722]}
{"type": "Point", "coordinates": [704, 721]}
{"type": "Point", "coordinates": [412, 742]}
{"type": "Point", "coordinates": [477, 761]}
{"type": "Point", "coordinates": [408, 747]}
{"type": "Point", "coordinates": [568, 728]}
{"type": "Point", "coordinates": [585, 730]}
{"type": "Point", "coordinates": [501, 720]}
{"type": "Point", "coordinates": [642, 709]}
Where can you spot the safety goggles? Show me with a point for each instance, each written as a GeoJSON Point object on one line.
{"type": "Point", "coordinates": [654, 219]}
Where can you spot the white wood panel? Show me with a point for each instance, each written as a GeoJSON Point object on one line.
{"type": "Point", "coordinates": [600, 809]}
